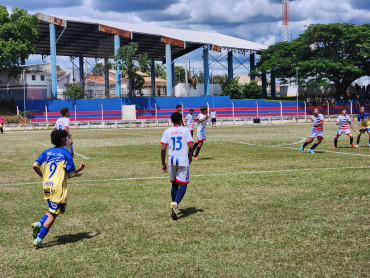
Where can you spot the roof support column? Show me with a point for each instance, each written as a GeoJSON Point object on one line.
{"type": "Point", "coordinates": [252, 65]}
{"type": "Point", "coordinates": [230, 66]}
{"type": "Point", "coordinates": [53, 56]}
{"type": "Point", "coordinates": [206, 71]}
{"type": "Point", "coordinates": [117, 45]}
{"type": "Point", "coordinates": [264, 89]}
{"type": "Point", "coordinates": [81, 68]}
{"type": "Point", "coordinates": [169, 70]}
{"type": "Point", "coordinates": [273, 84]}
{"type": "Point", "coordinates": [173, 77]}
{"type": "Point", "coordinates": [152, 78]}
{"type": "Point", "coordinates": [106, 77]}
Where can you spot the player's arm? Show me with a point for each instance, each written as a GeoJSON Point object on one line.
{"type": "Point", "coordinates": [351, 125]}
{"type": "Point", "coordinates": [79, 169]}
{"type": "Point", "coordinates": [359, 124]}
{"type": "Point", "coordinates": [37, 169]}
{"type": "Point", "coordinates": [202, 120]}
{"type": "Point", "coordinates": [191, 149]}
{"type": "Point", "coordinates": [163, 157]}
{"type": "Point", "coordinates": [69, 135]}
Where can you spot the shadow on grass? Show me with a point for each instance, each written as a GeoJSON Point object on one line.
{"type": "Point", "coordinates": [188, 211]}
{"type": "Point", "coordinates": [70, 238]}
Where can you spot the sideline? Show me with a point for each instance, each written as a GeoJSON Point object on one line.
{"type": "Point", "coordinates": [199, 176]}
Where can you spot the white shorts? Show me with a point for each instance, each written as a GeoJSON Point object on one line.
{"type": "Point", "coordinates": [201, 134]}
{"type": "Point", "coordinates": [317, 134]}
{"type": "Point", "coordinates": [179, 174]}
{"type": "Point", "coordinates": [346, 131]}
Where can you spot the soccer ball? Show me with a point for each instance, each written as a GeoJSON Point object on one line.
{"type": "Point", "coordinates": [313, 47]}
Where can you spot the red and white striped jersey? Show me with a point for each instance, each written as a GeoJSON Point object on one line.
{"type": "Point", "coordinates": [344, 121]}
{"type": "Point", "coordinates": [316, 120]}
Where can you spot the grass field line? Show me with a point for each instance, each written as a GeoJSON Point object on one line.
{"type": "Point", "coordinates": [290, 148]}
{"type": "Point", "coordinates": [80, 155]}
{"type": "Point", "coordinates": [200, 175]}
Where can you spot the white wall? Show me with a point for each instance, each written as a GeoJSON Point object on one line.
{"type": "Point", "coordinates": [184, 90]}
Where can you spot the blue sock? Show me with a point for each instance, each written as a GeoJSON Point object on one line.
{"type": "Point", "coordinates": [43, 219]}
{"type": "Point", "coordinates": [175, 187]}
{"type": "Point", "coordinates": [43, 232]}
{"type": "Point", "coordinates": [180, 193]}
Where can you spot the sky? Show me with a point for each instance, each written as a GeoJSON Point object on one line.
{"type": "Point", "coordinates": [257, 21]}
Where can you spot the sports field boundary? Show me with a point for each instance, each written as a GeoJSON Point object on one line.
{"type": "Point", "coordinates": [200, 175]}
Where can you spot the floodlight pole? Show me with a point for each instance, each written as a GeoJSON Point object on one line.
{"type": "Point", "coordinates": [296, 71]}
{"type": "Point", "coordinates": [24, 99]}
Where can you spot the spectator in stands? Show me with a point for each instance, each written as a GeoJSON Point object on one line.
{"type": "Point", "coordinates": [316, 100]}
{"type": "Point", "coordinates": [308, 100]}
{"type": "Point", "coordinates": [332, 101]}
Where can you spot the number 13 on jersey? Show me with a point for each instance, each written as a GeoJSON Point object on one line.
{"type": "Point", "coordinates": [176, 142]}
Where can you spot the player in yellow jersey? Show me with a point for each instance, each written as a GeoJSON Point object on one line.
{"type": "Point", "coordinates": [53, 166]}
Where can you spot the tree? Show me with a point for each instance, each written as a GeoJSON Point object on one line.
{"type": "Point", "coordinates": [59, 68]}
{"type": "Point", "coordinates": [252, 90]}
{"type": "Point", "coordinates": [231, 88]}
{"type": "Point", "coordinates": [73, 92]}
{"type": "Point", "coordinates": [219, 79]}
{"type": "Point", "coordinates": [199, 77]}
{"type": "Point", "coordinates": [179, 75]}
{"type": "Point", "coordinates": [338, 53]}
{"type": "Point", "coordinates": [125, 60]}
{"type": "Point", "coordinates": [98, 69]}
{"type": "Point", "coordinates": [18, 36]}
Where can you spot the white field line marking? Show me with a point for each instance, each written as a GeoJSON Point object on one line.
{"type": "Point", "coordinates": [299, 142]}
{"type": "Point", "coordinates": [205, 175]}
{"type": "Point", "coordinates": [320, 151]}
{"type": "Point", "coordinates": [85, 157]}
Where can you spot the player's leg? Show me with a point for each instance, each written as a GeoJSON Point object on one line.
{"type": "Point", "coordinates": [368, 131]}
{"type": "Point", "coordinates": [350, 139]}
{"type": "Point", "coordinates": [309, 141]}
{"type": "Point", "coordinates": [54, 210]}
{"type": "Point", "coordinates": [318, 142]}
{"type": "Point", "coordinates": [336, 140]}
{"type": "Point", "coordinates": [358, 138]}
{"type": "Point", "coordinates": [175, 187]}
{"type": "Point", "coordinates": [37, 225]}
{"type": "Point", "coordinates": [182, 177]}
{"type": "Point", "coordinates": [191, 131]}
{"type": "Point", "coordinates": [199, 146]}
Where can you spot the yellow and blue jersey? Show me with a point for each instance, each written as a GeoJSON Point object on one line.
{"type": "Point", "coordinates": [364, 120]}
{"type": "Point", "coordinates": [56, 164]}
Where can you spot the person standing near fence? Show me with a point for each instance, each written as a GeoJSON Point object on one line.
{"type": "Point", "coordinates": [213, 118]}
{"type": "Point", "coordinates": [1, 124]}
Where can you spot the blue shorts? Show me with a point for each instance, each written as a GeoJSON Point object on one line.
{"type": "Point", "coordinates": [56, 208]}
{"type": "Point", "coordinates": [363, 130]}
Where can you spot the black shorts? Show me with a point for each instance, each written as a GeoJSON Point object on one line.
{"type": "Point", "coordinates": [213, 120]}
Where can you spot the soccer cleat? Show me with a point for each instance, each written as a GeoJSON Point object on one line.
{"type": "Point", "coordinates": [311, 151]}
{"type": "Point", "coordinates": [353, 145]}
{"type": "Point", "coordinates": [36, 229]}
{"type": "Point", "coordinates": [334, 147]}
{"type": "Point", "coordinates": [358, 146]}
{"type": "Point", "coordinates": [38, 243]}
{"type": "Point", "coordinates": [196, 158]}
{"type": "Point", "coordinates": [302, 149]}
{"type": "Point", "coordinates": [174, 210]}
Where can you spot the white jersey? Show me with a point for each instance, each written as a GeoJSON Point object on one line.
{"type": "Point", "coordinates": [190, 118]}
{"type": "Point", "coordinates": [213, 115]}
{"type": "Point", "coordinates": [202, 125]}
{"type": "Point", "coordinates": [177, 138]}
{"type": "Point", "coordinates": [62, 123]}
{"type": "Point", "coordinates": [317, 120]}
{"type": "Point", "coordinates": [344, 122]}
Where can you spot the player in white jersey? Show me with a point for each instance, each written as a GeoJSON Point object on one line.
{"type": "Point", "coordinates": [213, 118]}
{"type": "Point", "coordinates": [344, 122]}
{"type": "Point", "coordinates": [189, 121]}
{"type": "Point", "coordinates": [179, 109]}
{"type": "Point", "coordinates": [317, 130]}
{"type": "Point", "coordinates": [63, 124]}
{"type": "Point", "coordinates": [180, 147]}
{"type": "Point", "coordinates": [201, 131]}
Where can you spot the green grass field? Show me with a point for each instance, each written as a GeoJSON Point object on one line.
{"type": "Point", "coordinates": [255, 207]}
